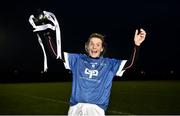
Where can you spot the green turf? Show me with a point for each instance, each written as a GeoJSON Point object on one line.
{"type": "Point", "coordinates": [146, 97]}
{"type": "Point", "coordinates": [127, 97]}
{"type": "Point", "coordinates": [34, 98]}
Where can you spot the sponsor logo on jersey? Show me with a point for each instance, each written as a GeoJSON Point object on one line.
{"type": "Point", "coordinates": [91, 73]}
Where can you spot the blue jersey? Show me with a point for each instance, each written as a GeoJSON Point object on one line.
{"type": "Point", "coordinates": [92, 78]}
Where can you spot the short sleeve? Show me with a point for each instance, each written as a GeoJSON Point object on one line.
{"type": "Point", "coordinates": [117, 66]}
{"type": "Point", "coordinates": [120, 70]}
{"type": "Point", "coordinates": [70, 60]}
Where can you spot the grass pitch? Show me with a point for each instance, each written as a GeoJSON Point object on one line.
{"type": "Point", "coordinates": [127, 98]}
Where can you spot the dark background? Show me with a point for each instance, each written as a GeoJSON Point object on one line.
{"type": "Point", "coordinates": [22, 58]}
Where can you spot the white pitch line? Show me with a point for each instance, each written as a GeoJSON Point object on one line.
{"type": "Point", "coordinates": [44, 98]}
{"type": "Point", "coordinates": [120, 113]}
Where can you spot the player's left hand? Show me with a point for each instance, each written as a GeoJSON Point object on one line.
{"type": "Point", "coordinates": [139, 37]}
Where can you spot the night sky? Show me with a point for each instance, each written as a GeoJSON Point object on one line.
{"type": "Point", "coordinates": [117, 20]}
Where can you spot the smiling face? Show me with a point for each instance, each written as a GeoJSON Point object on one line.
{"type": "Point", "coordinates": [94, 47]}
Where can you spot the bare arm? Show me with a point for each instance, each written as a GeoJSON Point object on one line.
{"type": "Point", "coordinates": [52, 46]}
{"type": "Point", "coordinates": [139, 37]}
{"type": "Point", "coordinates": [133, 58]}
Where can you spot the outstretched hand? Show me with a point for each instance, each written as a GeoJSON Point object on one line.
{"type": "Point", "coordinates": [139, 37]}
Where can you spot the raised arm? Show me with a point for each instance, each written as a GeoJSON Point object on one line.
{"type": "Point", "coordinates": [139, 37]}
{"type": "Point", "coordinates": [43, 23]}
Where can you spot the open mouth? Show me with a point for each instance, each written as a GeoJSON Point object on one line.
{"type": "Point", "coordinates": [94, 52]}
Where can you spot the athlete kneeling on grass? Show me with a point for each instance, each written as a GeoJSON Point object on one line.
{"type": "Point", "coordinates": [92, 73]}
